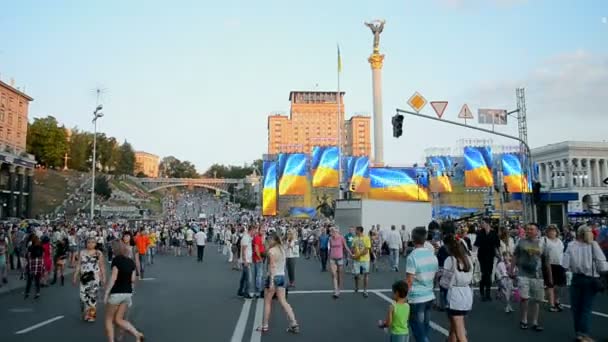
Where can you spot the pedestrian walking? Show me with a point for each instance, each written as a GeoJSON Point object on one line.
{"type": "Point", "coordinates": [246, 260]}
{"type": "Point", "coordinates": [292, 253]}
{"type": "Point", "coordinates": [61, 255]}
{"type": "Point", "coordinates": [398, 314]}
{"type": "Point", "coordinates": [361, 259]}
{"type": "Point", "coordinates": [34, 267]}
{"type": "Point", "coordinates": [200, 237]}
{"type": "Point", "coordinates": [259, 251]}
{"type": "Point", "coordinates": [47, 259]}
{"type": "Point", "coordinates": [142, 242]}
{"type": "Point", "coordinates": [118, 296]}
{"type": "Point", "coordinates": [337, 246]}
{"type": "Point", "coordinates": [90, 273]}
{"type": "Point", "coordinates": [275, 284]}
{"type": "Point", "coordinates": [394, 243]}
{"type": "Point", "coordinates": [4, 258]}
{"type": "Point", "coordinates": [555, 280]}
{"type": "Point", "coordinates": [488, 244]}
{"type": "Point", "coordinates": [505, 280]}
{"type": "Point", "coordinates": [584, 258]}
{"type": "Point", "coordinates": [323, 246]}
{"type": "Point", "coordinates": [420, 268]}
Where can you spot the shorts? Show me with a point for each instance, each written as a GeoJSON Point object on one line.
{"type": "Point", "coordinates": [559, 277]}
{"type": "Point", "coordinates": [452, 313]}
{"type": "Point", "coordinates": [120, 298]}
{"type": "Point", "coordinates": [337, 262]}
{"type": "Point", "coordinates": [278, 281]}
{"type": "Point", "coordinates": [189, 243]}
{"type": "Point", "coordinates": [360, 267]}
{"type": "Point", "coordinates": [531, 288]}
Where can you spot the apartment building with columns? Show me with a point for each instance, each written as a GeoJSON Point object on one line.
{"type": "Point", "coordinates": [575, 167]}
{"type": "Point", "coordinates": [16, 165]}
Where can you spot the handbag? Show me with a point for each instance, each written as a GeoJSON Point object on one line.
{"type": "Point", "coordinates": [600, 284]}
{"type": "Point", "coordinates": [447, 276]}
{"type": "Point", "coordinates": [87, 277]}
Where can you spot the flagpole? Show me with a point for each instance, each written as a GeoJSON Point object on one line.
{"type": "Point", "coordinates": [339, 97]}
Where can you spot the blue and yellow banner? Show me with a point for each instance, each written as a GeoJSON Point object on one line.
{"type": "Point", "coordinates": [404, 184]}
{"type": "Point", "coordinates": [440, 181]}
{"type": "Point", "coordinates": [478, 167]}
{"type": "Point", "coordinates": [513, 174]}
{"type": "Point", "coordinates": [269, 194]}
{"type": "Point", "coordinates": [293, 174]}
{"type": "Point", "coordinates": [348, 163]}
{"type": "Point", "coordinates": [360, 181]}
{"type": "Point", "coordinates": [302, 212]}
{"type": "Point", "coordinates": [325, 167]}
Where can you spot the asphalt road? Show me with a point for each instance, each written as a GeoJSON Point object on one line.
{"type": "Point", "coordinates": [186, 301]}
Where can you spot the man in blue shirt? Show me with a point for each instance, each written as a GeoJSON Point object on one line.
{"type": "Point", "coordinates": [324, 248]}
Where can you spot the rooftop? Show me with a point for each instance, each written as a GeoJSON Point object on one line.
{"type": "Point", "coordinates": [8, 86]}
{"type": "Point", "coordinates": [565, 145]}
{"type": "Point", "coordinates": [291, 93]}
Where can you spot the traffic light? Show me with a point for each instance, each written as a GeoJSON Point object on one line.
{"type": "Point", "coordinates": [397, 125]}
{"type": "Point", "coordinates": [536, 192]}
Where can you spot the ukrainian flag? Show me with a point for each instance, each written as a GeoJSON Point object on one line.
{"type": "Point", "coordinates": [513, 173]}
{"type": "Point", "coordinates": [398, 184]}
{"type": "Point", "coordinates": [294, 174]}
{"type": "Point", "coordinates": [326, 173]}
{"type": "Point", "coordinates": [441, 182]}
{"type": "Point", "coordinates": [269, 195]}
{"type": "Point", "coordinates": [348, 162]}
{"type": "Point", "coordinates": [302, 212]}
{"type": "Point", "coordinates": [317, 152]}
{"type": "Point", "coordinates": [478, 167]}
{"type": "Point", "coordinates": [360, 180]}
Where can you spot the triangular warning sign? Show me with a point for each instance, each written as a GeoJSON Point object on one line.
{"type": "Point", "coordinates": [465, 112]}
{"type": "Point", "coordinates": [439, 107]}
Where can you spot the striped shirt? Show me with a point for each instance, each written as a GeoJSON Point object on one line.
{"type": "Point", "coordinates": [422, 263]}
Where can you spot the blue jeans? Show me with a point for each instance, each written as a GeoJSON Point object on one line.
{"type": "Point", "coordinates": [258, 271]}
{"type": "Point", "coordinates": [142, 261]}
{"type": "Point", "coordinates": [398, 338]}
{"type": "Point", "coordinates": [420, 318]}
{"type": "Point", "coordinates": [394, 258]}
{"type": "Point", "coordinates": [245, 282]}
{"type": "Point", "coordinates": [581, 298]}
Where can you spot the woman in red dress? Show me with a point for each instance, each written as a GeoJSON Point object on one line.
{"type": "Point", "coordinates": [46, 259]}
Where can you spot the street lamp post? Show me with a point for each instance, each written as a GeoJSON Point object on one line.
{"type": "Point", "coordinates": [96, 115]}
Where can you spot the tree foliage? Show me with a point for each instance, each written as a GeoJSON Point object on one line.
{"type": "Point", "coordinates": [172, 167]}
{"type": "Point", "coordinates": [102, 187]}
{"type": "Point", "coordinates": [125, 164]}
{"type": "Point", "coordinates": [232, 171]}
{"type": "Point", "coordinates": [47, 141]}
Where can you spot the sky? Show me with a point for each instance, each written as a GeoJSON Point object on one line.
{"type": "Point", "coordinates": [197, 79]}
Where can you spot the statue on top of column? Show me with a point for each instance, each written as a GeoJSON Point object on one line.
{"type": "Point", "coordinates": [376, 26]}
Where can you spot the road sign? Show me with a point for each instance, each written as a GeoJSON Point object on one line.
{"type": "Point", "coordinates": [439, 107]}
{"type": "Point", "coordinates": [417, 102]}
{"type": "Point", "coordinates": [465, 112]}
{"type": "Point", "coordinates": [492, 116]}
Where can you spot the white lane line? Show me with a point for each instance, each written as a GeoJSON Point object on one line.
{"type": "Point", "coordinates": [601, 314]}
{"type": "Point", "coordinates": [433, 325]}
{"type": "Point", "coordinates": [241, 323]}
{"type": "Point", "coordinates": [36, 326]}
{"type": "Point", "coordinates": [256, 336]}
{"type": "Point", "coordinates": [147, 279]}
{"type": "Point", "coordinates": [21, 310]}
{"type": "Point", "coordinates": [332, 291]}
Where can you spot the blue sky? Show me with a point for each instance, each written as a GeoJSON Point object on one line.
{"type": "Point", "coordinates": [197, 79]}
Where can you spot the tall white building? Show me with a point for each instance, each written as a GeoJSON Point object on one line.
{"type": "Point", "coordinates": [575, 166]}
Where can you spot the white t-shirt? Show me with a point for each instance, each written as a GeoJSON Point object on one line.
{"type": "Point", "coordinates": [554, 250]}
{"type": "Point", "coordinates": [200, 238]}
{"type": "Point", "coordinates": [393, 239]}
{"type": "Point", "coordinates": [293, 249]}
{"type": "Point", "coordinates": [246, 247]}
{"type": "Point", "coordinates": [189, 235]}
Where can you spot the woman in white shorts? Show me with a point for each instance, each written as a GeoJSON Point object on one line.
{"type": "Point", "coordinates": [119, 293]}
{"type": "Point", "coordinates": [337, 247]}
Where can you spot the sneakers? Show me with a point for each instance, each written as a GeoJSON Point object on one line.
{"type": "Point", "coordinates": [365, 294]}
{"type": "Point", "coordinates": [508, 309]}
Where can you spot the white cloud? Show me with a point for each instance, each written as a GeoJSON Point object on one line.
{"type": "Point", "coordinates": [565, 97]}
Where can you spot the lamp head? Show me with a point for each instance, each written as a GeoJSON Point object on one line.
{"type": "Point", "coordinates": [100, 107]}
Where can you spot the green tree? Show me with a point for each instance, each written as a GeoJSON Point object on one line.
{"type": "Point", "coordinates": [80, 150]}
{"type": "Point", "coordinates": [106, 155]}
{"type": "Point", "coordinates": [102, 187]}
{"type": "Point", "coordinates": [172, 167]}
{"type": "Point", "coordinates": [47, 141]}
{"type": "Point", "coordinates": [126, 160]}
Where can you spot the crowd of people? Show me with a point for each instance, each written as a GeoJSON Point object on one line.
{"type": "Point", "coordinates": [527, 264]}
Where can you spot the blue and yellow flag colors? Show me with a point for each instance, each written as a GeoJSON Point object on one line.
{"type": "Point", "coordinates": [360, 181]}
{"type": "Point", "coordinates": [269, 195]}
{"type": "Point", "coordinates": [293, 174]}
{"type": "Point", "coordinates": [399, 184]}
{"type": "Point", "coordinates": [440, 181]}
{"type": "Point", "coordinates": [478, 167]}
{"type": "Point", "coordinates": [325, 172]}
{"type": "Point", "coordinates": [513, 175]}
{"type": "Point", "coordinates": [339, 60]}
{"type": "Point", "coordinates": [348, 163]}
{"type": "Point", "coordinates": [302, 212]}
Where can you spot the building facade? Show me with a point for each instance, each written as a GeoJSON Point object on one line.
{"type": "Point", "coordinates": [147, 164]}
{"type": "Point", "coordinates": [575, 166]}
{"type": "Point", "coordinates": [314, 121]}
{"type": "Point", "coordinates": [16, 166]}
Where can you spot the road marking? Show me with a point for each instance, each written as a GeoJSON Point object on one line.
{"type": "Point", "coordinates": [433, 325]}
{"type": "Point", "coordinates": [21, 310]}
{"type": "Point", "coordinates": [601, 314]}
{"type": "Point", "coordinates": [256, 336]}
{"type": "Point", "coordinates": [36, 326]}
{"type": "Point", "coordinates": [241, 323]}
{"type": "Point", "coordinates": [147, 279]}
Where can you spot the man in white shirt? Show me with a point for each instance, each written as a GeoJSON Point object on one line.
{"type": "Point", "coordinates": [246, 259]}
{"type": "Point", "coordinates": [189, 240]}
{"type": "Point", "coordinates": [393, 240]}
{"type": "Point", "coordinates": [200, 238]}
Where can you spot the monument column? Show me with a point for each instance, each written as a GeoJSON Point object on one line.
{"type": "Point", "coordinates": [376, 61]}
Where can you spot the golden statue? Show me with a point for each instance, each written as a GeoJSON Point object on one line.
{"type": "Point", "coordinates": [376, 26]}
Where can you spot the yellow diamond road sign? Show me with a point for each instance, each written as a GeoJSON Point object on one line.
{"type": "Point", "coordinates": [417, 102]}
